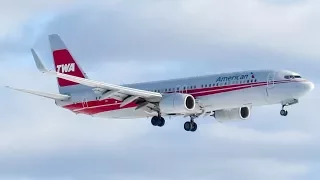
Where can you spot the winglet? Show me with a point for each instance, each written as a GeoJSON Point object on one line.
{"type": "Point", "coordinates": [38, 62]}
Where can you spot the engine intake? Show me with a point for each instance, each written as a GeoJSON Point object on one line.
{"type": "Point", "coordinates": [177, 103]}
{"type": "Point", "coordinates": [242, 113]}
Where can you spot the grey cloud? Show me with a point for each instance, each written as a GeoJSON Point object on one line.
{"type": "Point", "coordinates": [15, 12]}
{"type": "Point", "coordinates": [80, 147]}
{"type": "Point", "coordinates": [123, 33]}
{"type": "Point", "coordinates": [153, 31]}
{"type": "Point", "coordinates": [173, 155]}
{"type": "Point", "coordinates": [41, 141]}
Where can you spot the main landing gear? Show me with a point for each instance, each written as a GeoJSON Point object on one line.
{"type": "Point", "coordinates": [191, 125]}
{"type": "Point", "coordinates": [158, 121]}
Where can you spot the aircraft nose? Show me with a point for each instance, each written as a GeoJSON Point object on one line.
{"type": "Point", "coordinates": [308, 86]}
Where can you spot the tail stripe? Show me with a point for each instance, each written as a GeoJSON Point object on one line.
{"type": "Point", "coordinates": [64, 62]}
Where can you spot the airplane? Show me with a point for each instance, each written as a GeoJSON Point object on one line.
{"type": "Point", "coordinates": [224, 96]}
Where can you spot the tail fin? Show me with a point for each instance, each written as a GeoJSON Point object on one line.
{"type": "Point", "coordinates": [65, 63]}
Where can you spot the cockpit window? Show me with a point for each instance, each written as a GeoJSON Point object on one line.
{"type": "Point", "coordinates": [288, 77]}
{"type": "Point", "coordinates": [292, 77]}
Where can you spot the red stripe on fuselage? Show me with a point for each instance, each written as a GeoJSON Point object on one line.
{"type": "Point", "coordinates": [96, 106]}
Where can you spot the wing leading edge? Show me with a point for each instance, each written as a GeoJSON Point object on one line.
{"type": "Point", "coordinates": [53, 96]}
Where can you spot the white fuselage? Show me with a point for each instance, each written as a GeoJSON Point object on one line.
{"type": "Point", "coordinates": [213, 92]}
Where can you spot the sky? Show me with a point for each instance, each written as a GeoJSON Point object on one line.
{"type": "Point", "coordinates": [122, 41]}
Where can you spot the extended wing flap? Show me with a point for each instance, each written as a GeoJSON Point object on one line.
{"type": "Point", "coordinates": [43, 94]}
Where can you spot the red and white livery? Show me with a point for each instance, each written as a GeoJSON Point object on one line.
{"type": "Point", "coordinates": [226, 96]}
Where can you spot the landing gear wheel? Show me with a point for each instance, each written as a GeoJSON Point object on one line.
{"type": "Point", "coordinates": [190, 126]}
{"type": "Point", "coordinates": [194, 127]}
{"type": "Point", "coordinates": [161, 121]}
{"type": "Point", "coordinates": [154, 121]}
{"type": "Point", "coordinates": [283, 112]}
{"type": "Point", "coordinates": [158, 121]}
{"type": "Point", "coordinates": [187, 126]}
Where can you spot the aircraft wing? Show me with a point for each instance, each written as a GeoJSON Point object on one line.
{"type": "Point", "coordinates": [109, 89]}
{"type": "Point", "coordinates": [54, 96]}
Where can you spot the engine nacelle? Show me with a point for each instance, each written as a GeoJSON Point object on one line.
{"type": "Point", "coordinates": [242, 113]}
{"type": "Point", "coordinates": [177, 103]}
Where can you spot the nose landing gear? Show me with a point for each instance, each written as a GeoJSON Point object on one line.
{"type": "Point", "coordinates": [290, 102]}
{"type": "Point", "coordinates": [283, 112]}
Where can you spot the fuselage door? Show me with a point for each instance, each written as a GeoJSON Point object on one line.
{"type": "Point", "coordinates": [84, 102]}
{"type": "Point", "coordinates": [179, 89]}
{"type": "Point", "coordinates": [270, 82]}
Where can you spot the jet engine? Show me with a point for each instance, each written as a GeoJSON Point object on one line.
{"type": "Point", "coordinates": [242, 113]}
{"type": "Point", "coordinates": [177, 103]}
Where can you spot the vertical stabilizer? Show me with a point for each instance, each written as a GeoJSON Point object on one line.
{"type": "Point", "coordinates": [66, 64]}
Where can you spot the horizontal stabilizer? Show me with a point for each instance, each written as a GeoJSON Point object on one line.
{"type": "Point", "coordinates": [43, 94]}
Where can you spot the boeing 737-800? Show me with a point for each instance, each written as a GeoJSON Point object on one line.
{"type": "Point", "coordinates": [227, 96]}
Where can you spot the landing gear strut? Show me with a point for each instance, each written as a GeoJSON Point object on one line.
{"type": "Point", "coordinates": [158, 120]}
{"type": "Point", "coordinates": [289, 102]}
{"type": "Point", "coordinates": [283, 112]}
{"type": "Point", "coordinates": [191, 125]}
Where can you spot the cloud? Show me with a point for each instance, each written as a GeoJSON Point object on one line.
{"type": "Point", "coordinates": [19, 11]}
{"type": "Point", "coordinates": [230, 133]}
{"type": "Point", "coordinates": [52, 143]}
{"type": "Point", "coordinates": [124, 42]}
{"type": "Point", "coordinates": [185, 30]}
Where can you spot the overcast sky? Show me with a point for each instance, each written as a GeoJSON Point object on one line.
{"type": "Point", "coordinates": [124, 41]}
